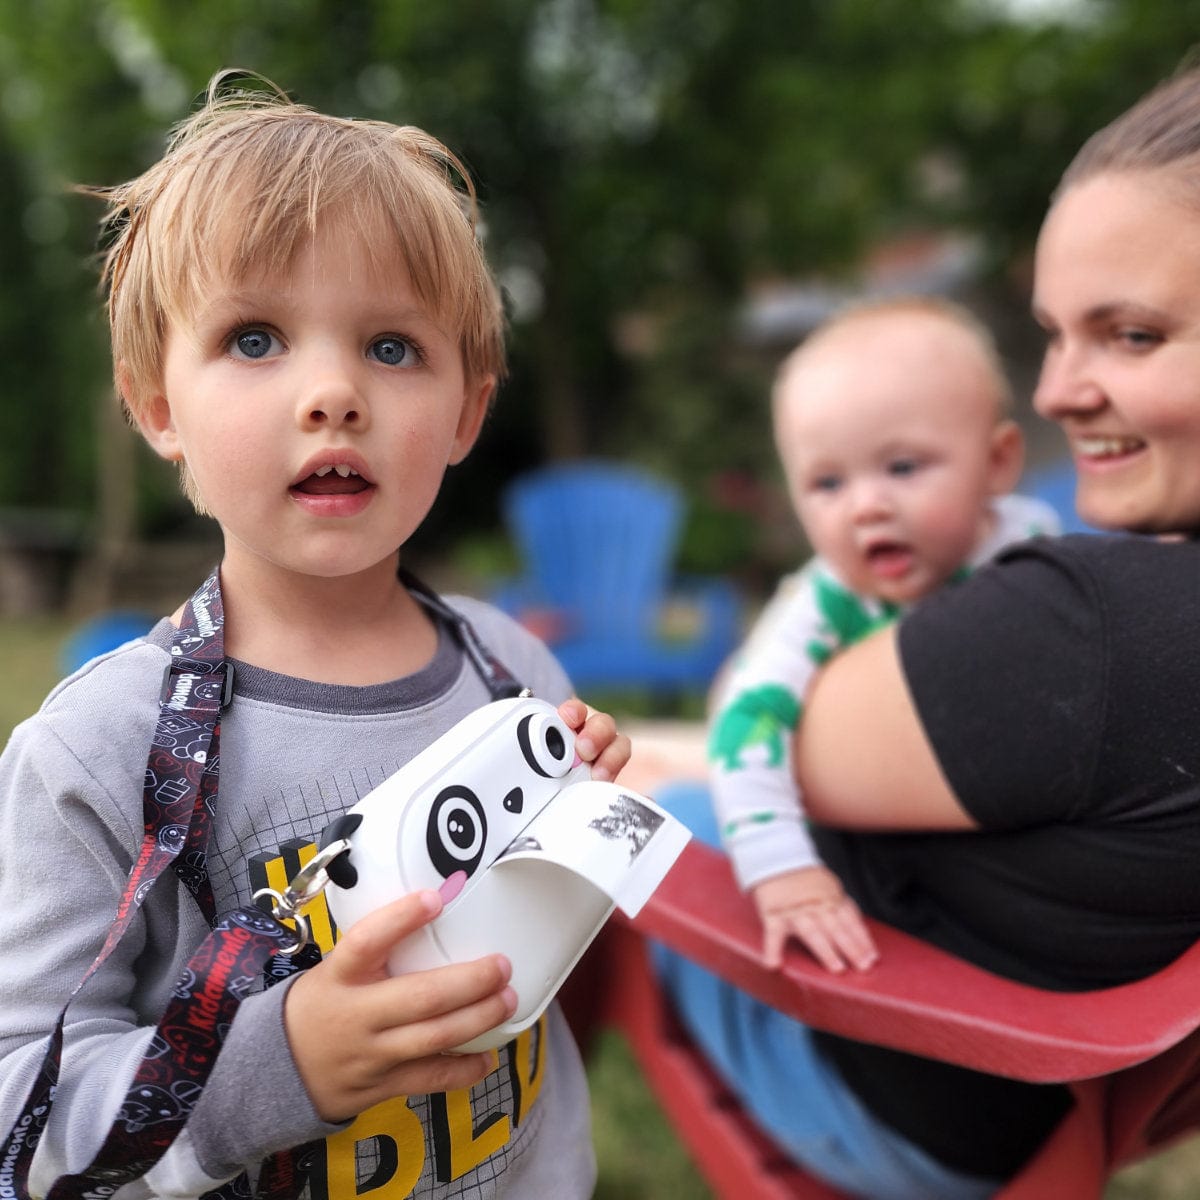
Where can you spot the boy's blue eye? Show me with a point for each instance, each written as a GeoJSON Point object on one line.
{"type": "Point", "coordinates": [827, 483]}
{"type": "Point", "coordinates": [254, 343]}
{"type": "Point", "coordinates": [902, 466]}
{"type": "Point", "coordinates": [391, 351]}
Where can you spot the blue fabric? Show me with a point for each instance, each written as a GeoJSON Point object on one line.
{"type": "Point", "coordinates": [770, 1062]}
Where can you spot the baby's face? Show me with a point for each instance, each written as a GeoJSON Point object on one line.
{"type": "Point", "coordinates": [886, 434]}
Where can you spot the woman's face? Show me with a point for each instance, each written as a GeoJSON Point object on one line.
{"type": "Point", "coordinates": [1117, 290]}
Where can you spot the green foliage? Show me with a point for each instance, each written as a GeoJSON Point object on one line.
{"type": "Point", "coordinates": [642, 163]}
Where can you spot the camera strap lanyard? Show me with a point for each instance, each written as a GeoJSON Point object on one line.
{"type": "Point", "coordinates": [497, 678]}
{"type": "Point", "coordinates": [178, 802]}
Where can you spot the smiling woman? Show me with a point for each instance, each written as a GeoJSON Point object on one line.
{"type": "Point", "coordinates": [1011, 771]}
{"type": "Point", "coordinates": [1122, 368]}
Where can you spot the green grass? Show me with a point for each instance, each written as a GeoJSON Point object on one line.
{"type": "Point", "coordinates": [640, 1156]}
{"type": "Point", "coordinates": [29, 650]}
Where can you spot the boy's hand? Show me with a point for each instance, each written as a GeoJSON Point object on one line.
{"type": "Point", "coordinates": [359, 1036]}
{"type": "Point", "coordinates": [596, 739]}
{"type": "Point", "coordinates": [811, 905]}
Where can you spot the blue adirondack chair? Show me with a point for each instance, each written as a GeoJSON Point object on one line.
{"type": "Point", "coordinates": [598, 542]}
{"type": "Point", "coordinates": [103, 632]}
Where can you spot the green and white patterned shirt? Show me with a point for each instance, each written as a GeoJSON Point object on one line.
{"type": "Point", "coordinates": [811, 617]}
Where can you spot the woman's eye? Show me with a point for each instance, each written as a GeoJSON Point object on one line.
{"type": "Point", "coordinates": [253, 343]}
{"type": "Point", "coordinates": [1138, 339]}
{"type": "Point", "coordinates": [392, 351]}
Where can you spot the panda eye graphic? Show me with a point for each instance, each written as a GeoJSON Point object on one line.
{"type": "Point", "coordinates": [457, 831]}
{"type": "Point", "coordinates": [546, 744]}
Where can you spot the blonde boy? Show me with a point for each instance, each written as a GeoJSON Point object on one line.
{"type": "Point", "coordinates": [303, 320]}
{"type": "Point", "coordinates": [892, 425]}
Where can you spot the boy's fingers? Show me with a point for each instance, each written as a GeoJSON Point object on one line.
{"type": "Point", "coordinates": [608, 766]}
{"type": "Point", "coordinates": [414, 1039]}
{"type": "Point", "coordinates": [362, 950]}
{"type": "Point", "coordinates": [429, 995]}
{"type": "Point", "coordinates": [573, 712]}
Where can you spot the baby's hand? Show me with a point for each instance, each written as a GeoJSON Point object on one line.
{"type": "Point", "coordinates": [596, 739]}
{"type": "Point", "coordinates": [360, 1036]}
{"type": "Point", "coordinates": [810, 904]}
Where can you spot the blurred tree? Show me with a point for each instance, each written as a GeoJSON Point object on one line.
{"type": "Point", "coordinates": [643, 163]}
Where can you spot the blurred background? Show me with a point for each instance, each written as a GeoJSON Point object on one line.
{"type": "Point", "coordinates": [674, 193]}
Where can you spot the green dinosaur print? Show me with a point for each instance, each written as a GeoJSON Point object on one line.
{"type": "Point", "coordinates": [760, 716]}
{"type": "Point", "coordinates": [846, 616]}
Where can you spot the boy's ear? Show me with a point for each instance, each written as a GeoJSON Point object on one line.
{"type": "Point", "coordinates": [477, 397]}
{"type": "Point", "coordinates": [1006, 458]}
{"type": "Point", "coordinates": [158, 427]}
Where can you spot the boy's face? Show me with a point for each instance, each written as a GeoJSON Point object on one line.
{"type": "Point", "coordinates": [887, 431]}
{"type": "Point", "coordinates": [317, 407]}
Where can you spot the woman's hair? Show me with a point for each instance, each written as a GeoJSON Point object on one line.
{"type": "Point", "coordinates": [1160, 132]}
{"type": "Point", "coordinates": [246, 181]}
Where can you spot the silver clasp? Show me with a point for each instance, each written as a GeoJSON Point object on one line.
{"type": "Point", "coordinates": [310, 881]}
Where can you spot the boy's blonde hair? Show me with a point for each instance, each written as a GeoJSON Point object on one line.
{"type": "Point", "coordinates": [939, 307]}
{"type": "Point", "coordinates": [245, 182]}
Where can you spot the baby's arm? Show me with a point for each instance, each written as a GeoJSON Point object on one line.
{"type": "Point", "coordinates": [758, 804]}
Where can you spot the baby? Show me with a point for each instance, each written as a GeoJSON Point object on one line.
{"type": "Point", "coordinates": [892, 425]}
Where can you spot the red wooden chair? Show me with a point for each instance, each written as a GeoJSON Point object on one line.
{"type": "Point", "coordinates": [1131, 1054]}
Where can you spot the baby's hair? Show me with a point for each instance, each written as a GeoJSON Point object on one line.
{"type": "Point", "coordinates": [1161, 132]}
{"type": "Point", "coordinates": [938, 307]}
{"type": "Point", "coordinates": [245, 182]}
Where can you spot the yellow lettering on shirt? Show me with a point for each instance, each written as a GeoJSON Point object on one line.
{"type": "Point", "coordinates": [527, 1064]}
{"type": "Point", "coordinates": [399, 1153]}
{"type": "Point", "coordinates": [466, 1126]}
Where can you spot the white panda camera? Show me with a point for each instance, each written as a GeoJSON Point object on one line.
{"type": "Point", "coordinates": [529, 854]}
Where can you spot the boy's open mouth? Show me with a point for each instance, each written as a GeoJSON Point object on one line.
{"type": "Point", "coordinates": [332, 481]}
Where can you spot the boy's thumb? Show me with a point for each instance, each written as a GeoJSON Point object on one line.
{"type": "Point", "coordinates": [364, 948]}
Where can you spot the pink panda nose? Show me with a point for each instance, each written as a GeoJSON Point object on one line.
{"type": "Point", "coordinates": [452, 886]}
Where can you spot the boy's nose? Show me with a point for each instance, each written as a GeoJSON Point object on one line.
{"type": "Point", "coordinates": [330, 398]}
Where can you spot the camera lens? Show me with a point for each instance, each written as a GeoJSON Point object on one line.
{"type": "Point", "coordinates": [547, 744]}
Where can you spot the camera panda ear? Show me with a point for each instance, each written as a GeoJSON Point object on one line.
{"type": "Point", "coordinates": [547, 745]}
{"type": "Point", "coordinates": [340, 870]}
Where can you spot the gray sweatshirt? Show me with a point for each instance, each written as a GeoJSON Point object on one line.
{"type": "Point", "coordinates": [294, 754]}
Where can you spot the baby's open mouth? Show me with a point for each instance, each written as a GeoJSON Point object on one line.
{"type": "Point", "coordinates": [889, 559]}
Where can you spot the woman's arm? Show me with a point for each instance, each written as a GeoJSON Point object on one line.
{"type": "Point", "coordinates": [862, 756]}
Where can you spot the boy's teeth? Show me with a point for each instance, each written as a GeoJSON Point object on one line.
{"type": "Point", "coordinates": [342, 469]}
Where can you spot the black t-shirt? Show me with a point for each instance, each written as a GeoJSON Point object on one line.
{"type": "Point", "coordinates": [1060, 690]}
